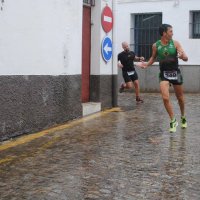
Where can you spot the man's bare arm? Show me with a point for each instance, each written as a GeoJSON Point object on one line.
{"type": "Point", "coordinates": [181, 53]}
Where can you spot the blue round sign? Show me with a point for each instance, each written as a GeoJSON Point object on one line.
{"type": "Point", "coordinates": [106, 49]}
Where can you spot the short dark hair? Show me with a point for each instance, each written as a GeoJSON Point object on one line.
{"type": "Point", "coordinates": [163, 28]}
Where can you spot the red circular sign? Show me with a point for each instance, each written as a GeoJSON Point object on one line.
{"type": "Point", "coordinates": [107, 19]}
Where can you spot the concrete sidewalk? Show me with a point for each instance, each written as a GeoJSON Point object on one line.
{"type": "Point", "coordinates": [126, 153]}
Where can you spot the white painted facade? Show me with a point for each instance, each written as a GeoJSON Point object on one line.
{"type": "Point", "coordinates": [174, 12]}
{"type": "Point", "coordinates": [40, 37]}
{"type": "Point", "coordinates": [45, 38]}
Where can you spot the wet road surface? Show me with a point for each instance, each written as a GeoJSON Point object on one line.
{"type": "Point", "coordinates": [122, 154]}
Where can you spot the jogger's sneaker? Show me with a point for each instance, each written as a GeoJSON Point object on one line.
{"type": "Point", "coordinates": [173, 125]}
{"type": "Point", "coordinates": [139, 100]}
{"type": "Point", "coordinates": [183, 122]}
{"type": "Point", "coordinates": [121, 89]}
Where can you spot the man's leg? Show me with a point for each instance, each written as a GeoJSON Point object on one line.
{"type": "Point", "coordinates": [179, 95]}
{"type": "Point", "coordinates": [137, 88]}
{"type": "Point", "coordinates": [129, 85]}
{"type": "Point", "coordinates": [137, 91]}
{"type": "Point", "coordinates": [164, 88]}
{"type": "Point", "coordinates": [124, 85]}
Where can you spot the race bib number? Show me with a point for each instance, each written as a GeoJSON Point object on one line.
{"type": "Point", "coordinates": [131, 73]}
{"type": "Point", "coordinates": [170, 75]}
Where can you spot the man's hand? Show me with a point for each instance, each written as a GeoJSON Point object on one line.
{"type": "Point", "coordinates": [182, 55]}
{"type": "Point", "coordinates": [142, 65]}
{"type": "Point", "coordinates": [141, 58]}
{"type": "Point", "coordinates": [120, 65]}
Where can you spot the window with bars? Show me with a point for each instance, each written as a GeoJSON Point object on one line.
{"type": "Point", "coordinates": [89, 2]}
{"type": "Point", "coordinates": [195, 24]}
{"type": "Point", "coordinates": [144, 32]}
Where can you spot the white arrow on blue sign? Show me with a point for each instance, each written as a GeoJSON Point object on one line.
{"type": "Point", "coordinates": [106, 49]}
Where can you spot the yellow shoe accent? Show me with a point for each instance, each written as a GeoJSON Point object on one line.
{"type": "Point", "coordinates": [173, 126]}
{"type": "Point", "coordinates": [183, 122]}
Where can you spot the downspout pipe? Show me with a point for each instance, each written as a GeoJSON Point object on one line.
{"type": "Point", "coordinates": [114, 59]}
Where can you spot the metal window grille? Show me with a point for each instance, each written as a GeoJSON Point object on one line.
{"type": "Point", "coordinates": [144, 32]}
{"type": "Point", "coordinates": [195, 24]}
{"type": "Point", "coordinates": [89, 2]}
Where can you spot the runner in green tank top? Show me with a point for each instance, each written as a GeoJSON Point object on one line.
{"type": "Point", "coordinates": [165, 50]}
{"type": "Point", "coordinates": [168, 51]}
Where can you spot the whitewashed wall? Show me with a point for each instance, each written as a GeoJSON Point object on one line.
{"type": "Point", "coordinates": [40, 37]}
{"type": "Point", "coordinates": [174, 12]}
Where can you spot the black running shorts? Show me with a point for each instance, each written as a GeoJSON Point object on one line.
{"type": "Point", "coordinates": [174, 77]}
{"type": "Point", "coordinates": [129, 76]}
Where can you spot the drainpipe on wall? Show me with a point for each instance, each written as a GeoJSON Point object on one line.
{"type": "Point", "coordinates": [114, 59]}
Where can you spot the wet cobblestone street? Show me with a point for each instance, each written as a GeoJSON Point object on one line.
{"type": "Point", "coordinates": [123, 154]}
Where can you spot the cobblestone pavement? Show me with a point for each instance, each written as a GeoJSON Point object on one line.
{"type": "Point", "coordinates": [127, 154]}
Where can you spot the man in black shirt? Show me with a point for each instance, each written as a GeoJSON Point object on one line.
{"type": "Point", "coordinates": [126, 62]}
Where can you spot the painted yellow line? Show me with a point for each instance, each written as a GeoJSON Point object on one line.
{"type": "Point", "coordinates": [5, 160]}
{"type": "Point", "coordinates": [28, 138]}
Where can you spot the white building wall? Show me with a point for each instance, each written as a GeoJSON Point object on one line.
{"type": "Point", "coordinates": [40, 37]}
{"type": "Point", "coordinates": [174, 12]}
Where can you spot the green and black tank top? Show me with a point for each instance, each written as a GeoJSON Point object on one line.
{"type": "Point", "coordinates": [167, 56]}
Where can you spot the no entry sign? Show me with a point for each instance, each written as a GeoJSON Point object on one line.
{"type": "Point", "coordinates": [107, 19]}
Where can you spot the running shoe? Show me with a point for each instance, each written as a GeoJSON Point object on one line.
{"type": "Point", "coordinates": [139, 100]}
{"type": "Point", "coordinates": [183, 122]}
{"type": "Point", "coordinates": [173, 125]}
{"type": "Point", "coordinates": [121, 89]}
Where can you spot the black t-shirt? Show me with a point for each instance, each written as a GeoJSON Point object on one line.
{"type": "Point", "coordinates": [126, 58]}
